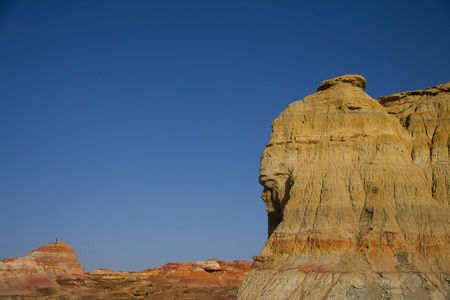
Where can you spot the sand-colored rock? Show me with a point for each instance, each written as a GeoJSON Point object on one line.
{"type": "Point", "coordinates": [22, 276]}
{"type": "Point", "coordinates": [357, 197]}
{"type": "Point", "coordinates": [425, 114]}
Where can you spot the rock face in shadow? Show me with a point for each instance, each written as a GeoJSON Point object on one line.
{"type": "Point", "coordinates": [40, 268]}
{"type": "Point", "coordinates": [357, 195]}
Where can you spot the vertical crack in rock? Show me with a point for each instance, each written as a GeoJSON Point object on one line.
{"type": "Point", "coordinates": [357, 195]}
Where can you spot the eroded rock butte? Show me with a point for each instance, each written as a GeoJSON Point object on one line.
{"type": "Point", "coordinates": [40, 268]}
{"type": "Point", "coordinates": [357, 194]}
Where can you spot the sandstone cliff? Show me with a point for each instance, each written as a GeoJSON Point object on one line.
{"type": "Point", "coordinates": [357, 195]}
{"type": "Point", "coordinates": [39, 269]}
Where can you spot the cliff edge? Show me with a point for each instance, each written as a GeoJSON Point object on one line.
{"type": "Point", "coordinates": [357, 195]}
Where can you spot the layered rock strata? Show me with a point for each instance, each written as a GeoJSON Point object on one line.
{"type": "Point", "coordinates": [210, 279]}
{"type": "Point", "coordinates": [210, 273]}
{"type": "Point", "coordinates": [40, 268]}
{"type": "Point", "coordinates": [357, 195]}
{"type": "Point", "coordinates": [53, 272]}
{"type": "Point", "coordinates": [58, 259]}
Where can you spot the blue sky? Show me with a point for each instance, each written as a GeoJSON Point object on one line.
{"type": "Point", "coordinates": [132, 130]}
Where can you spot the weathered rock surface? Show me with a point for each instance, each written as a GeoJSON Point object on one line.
{"type": "Point", "coordinates": [357, 195]}
{"type": "Point", "coordinates": [59, 259]}
{"type": "Point", "coordinates": [40, 268]}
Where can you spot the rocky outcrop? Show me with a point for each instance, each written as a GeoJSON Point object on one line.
{"type": "Point", "coordinates": [58, 259]}
{"type": "Point", "coordinates": [53, 272]}
{"type": "Point", "coordinates": [210, 279]}
{"type": "Point", "coordinates": [40, 268]}
{"type": "Point", "coordinates": [210, 273]}
{"type": "Point", "coordinates": [357, 195]}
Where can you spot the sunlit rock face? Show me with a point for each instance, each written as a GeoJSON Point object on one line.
{"type": "Point", "coordinates": [40, 268]}
{"type": "Point", "coordinates": [357, 195]}
{"type": "Point", "coordinates": [209, 273]}
{"type": "Point", "coordinates": [58, 259]}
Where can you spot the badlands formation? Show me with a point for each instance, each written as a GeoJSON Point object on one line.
{"type": "Point", "coordinates": [39, 269]}
{"type": "Point", "coordinates": [357, 195]}
{"type": "Point", "coordinates": [53, 272]}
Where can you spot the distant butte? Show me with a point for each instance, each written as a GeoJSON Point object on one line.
{"type": "Point", "coordinates": [40, 268]}
{"type": "Point", "coordinates": [357, 192]}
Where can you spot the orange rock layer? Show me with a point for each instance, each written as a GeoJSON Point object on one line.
{"type": "Point", "coordinates": [429, 245]}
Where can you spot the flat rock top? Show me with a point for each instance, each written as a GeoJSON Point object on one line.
{"type": "Point", "coordinates": [354, 80]}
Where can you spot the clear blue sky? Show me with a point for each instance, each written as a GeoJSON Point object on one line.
{"type": "Point", "coordinates": [132, 130]}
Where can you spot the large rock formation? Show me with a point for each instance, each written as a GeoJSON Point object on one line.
{"type": "Point", "coordinates": [357, 195]}
{"type": "Point", "coordinates": [40, 268]}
